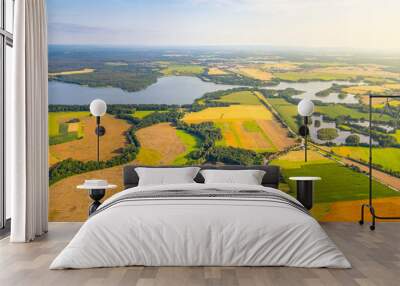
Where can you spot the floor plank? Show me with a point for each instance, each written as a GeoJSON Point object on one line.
{"type": "Point", "coordinates": [375, 257]}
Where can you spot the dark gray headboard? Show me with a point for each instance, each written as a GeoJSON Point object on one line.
{"type": "Point", "coordinates": [271, 178]}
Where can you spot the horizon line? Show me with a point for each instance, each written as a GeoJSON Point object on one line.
{"type": "Point", "coordinates": [274, 47]}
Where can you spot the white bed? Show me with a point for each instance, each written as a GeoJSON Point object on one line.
{"type": "Point", "coordinates": [202, 231]}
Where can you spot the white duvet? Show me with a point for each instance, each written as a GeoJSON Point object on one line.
{"type": "Point", "coordinates": [200, 231]}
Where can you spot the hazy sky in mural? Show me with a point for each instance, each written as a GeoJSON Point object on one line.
{"type": "Point", "coordinates": [368, 24]}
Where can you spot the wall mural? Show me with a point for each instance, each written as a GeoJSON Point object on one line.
{"type": "Point", "coordinates": [174, 102]}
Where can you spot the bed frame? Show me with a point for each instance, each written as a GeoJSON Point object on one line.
{"type": "Point", "coordinates": [270, 179]}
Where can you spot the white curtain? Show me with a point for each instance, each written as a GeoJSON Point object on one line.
{"type": "Point", "coordinates": [26, 158]}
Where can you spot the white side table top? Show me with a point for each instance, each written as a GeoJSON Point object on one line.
{"type": "Point", "coordinates": [87, 187]}
{"type": "Point", "coordinates": [305, 178]}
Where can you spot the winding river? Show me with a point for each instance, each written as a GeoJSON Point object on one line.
{"type": "Point", "coordinates": [312, 87]}
{"type": "Point", "coordinates": [342, 134]}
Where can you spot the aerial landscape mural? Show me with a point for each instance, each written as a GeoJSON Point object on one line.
{"type": "Point", "coordinates": [180, 98]}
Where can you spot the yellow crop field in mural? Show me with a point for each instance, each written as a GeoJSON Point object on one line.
{"type": "Point", "coordinates": [82, 71]}
{"type": "Point", "coordinates": [374, 71]}
{"type": "Point", "coordinates": [245, 134]}
{"type": "Point", "coordinates": [58, 118]}
{"type": "Point", "coordinates": [164, 149]}
{"type": "Point", "coordinates": [245, 126]}
{"type": "Point", "coordinates": [82, 149]}
{"type": "Point", "coordinates": [255, 73]}
{"type": "Point", "coordinates": [216, 71]}
{"type": "Point", "coordinates": [364, 89]}
{"type": "Point", "coordinates": [280, 66]}
{"type": "Point", "coordinates": [233, 112]}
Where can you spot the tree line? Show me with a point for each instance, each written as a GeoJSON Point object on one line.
{"type": "Point", "coordinates": [70, 167]}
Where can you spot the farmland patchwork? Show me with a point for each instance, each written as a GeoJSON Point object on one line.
{"type": "Point", "coordinates": [247, 115]}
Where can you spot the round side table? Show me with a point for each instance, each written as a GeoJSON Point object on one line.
{"type": "Point", "coordinates": [96, 193]}
{"type": "Point", "coordinates": [305, 189]}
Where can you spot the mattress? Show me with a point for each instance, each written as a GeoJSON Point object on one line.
{"type": "Point", "coordinates": [201, 225]}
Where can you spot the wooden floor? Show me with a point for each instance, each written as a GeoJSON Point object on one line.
{"type": "Point", "coordinates": [375, 257]}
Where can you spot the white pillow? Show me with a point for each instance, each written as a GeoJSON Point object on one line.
{"type": "Point", "coordinates": [166, 176]}
{"type": "Point", "coordinates": [248, 177]}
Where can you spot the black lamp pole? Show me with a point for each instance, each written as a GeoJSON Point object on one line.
{"type": "Point", "coordinates": [304, 131]}
{"type": "Point", "coordinates": [98, 137]}
{"type": "Point", "coordinates": [100, 131]}
{"type": "Point", "coordinates": [305, 137]}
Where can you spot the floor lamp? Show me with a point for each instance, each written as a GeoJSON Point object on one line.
{"type": "Point", "coordinates": [369, 205]}
{"type": "Point", "coordinates": [98, 108]}
{"type": "Point", "coordinates": [305, 108]}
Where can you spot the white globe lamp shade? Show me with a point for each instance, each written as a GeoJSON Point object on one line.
{"type": "Point", "coordinates": [305, 107]}
{"type": "Point", "coordinates": [98, 107]}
